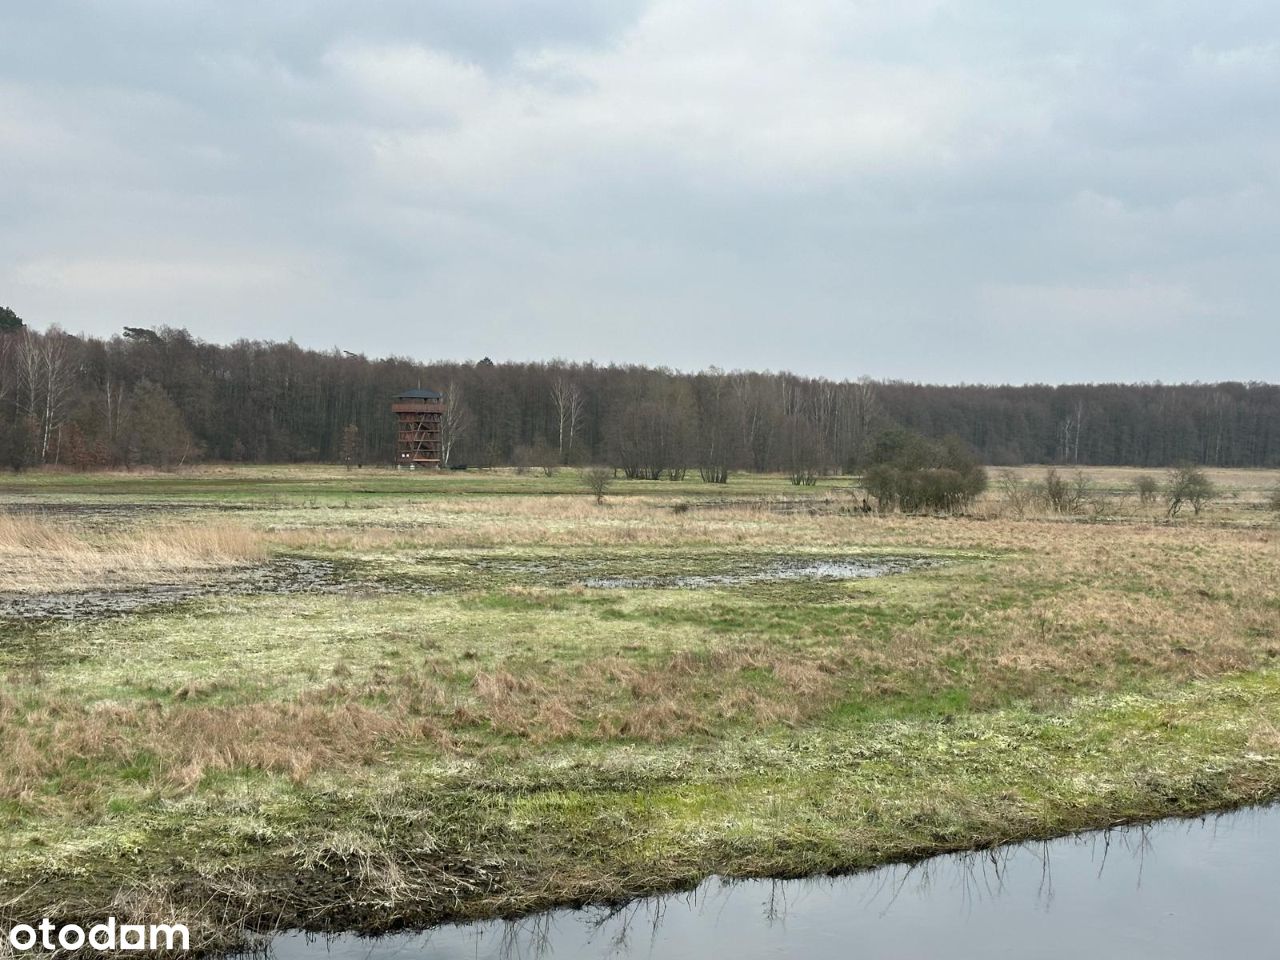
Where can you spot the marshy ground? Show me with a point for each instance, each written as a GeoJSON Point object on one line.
{"type": "Point", "coordinates": [256, 698]}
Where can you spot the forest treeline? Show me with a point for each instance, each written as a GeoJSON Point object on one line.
{"type": "Point", "coordinates": [162, 397]}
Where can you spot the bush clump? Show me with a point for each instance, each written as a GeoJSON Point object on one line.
{"type": "Point", "coordinates": [913, 474]}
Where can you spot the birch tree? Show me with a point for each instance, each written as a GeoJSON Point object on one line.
{"type": "Point", "coordinates": [453, 425]}
{"type": "Point", "coordinates": [569, 405]}
{"type": "Point", "coordinates": [45, 377]}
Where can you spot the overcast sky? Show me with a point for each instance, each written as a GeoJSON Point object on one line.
{"type": "Point", "coordinates": [918, 189]}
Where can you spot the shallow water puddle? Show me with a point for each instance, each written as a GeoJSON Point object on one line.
{"type": "Point", "coordinates": [780, 570]}
{"type": "Point", "coordinates": [694, 572]}
{"type": "Point", "coordinates": [1178, 889]}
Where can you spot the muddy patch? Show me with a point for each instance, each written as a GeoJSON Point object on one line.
{"type": "Point", "coordinates": [286, 575]}
{"type": "Point", "coordinates": [293, 575]}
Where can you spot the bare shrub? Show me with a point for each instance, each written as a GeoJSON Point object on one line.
{"type": "Point", "coordinates": [1067, 496]}
{"type": "Point", "coordinates": [1054, 490]}
{"type": "Point", "coordinates": [1017, 496]}
{"type": "Point", "coordinates": [597, 480]}
{"type": "Point", "coordinates": [1188, 484]}
{"type": "Point", "coordinates": [1107, 504]}
{"type": "Point", "coordinates": [1147, 488]}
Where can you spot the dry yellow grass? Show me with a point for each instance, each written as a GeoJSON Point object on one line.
{"type": "Point", "coordinates": [37, 555]}
{"type": "Point", "coordinates": [1066, 608]}
{"type": "Point", "coordinates": [47, 738]}
{"type": "Point", "coordinates": [532, 522]}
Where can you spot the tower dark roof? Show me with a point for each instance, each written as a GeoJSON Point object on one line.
{"type": "Point", "coordinates": [419, 395]}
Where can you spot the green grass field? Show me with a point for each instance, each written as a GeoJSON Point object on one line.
{"type": "Point", "coordinates": [454, 722]}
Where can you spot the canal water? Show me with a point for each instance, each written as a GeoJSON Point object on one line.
{"type": "Point", "coordinates": [1178, 889]}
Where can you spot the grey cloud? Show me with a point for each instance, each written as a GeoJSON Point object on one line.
{"type": "Point", "coordinates": [938, 190]}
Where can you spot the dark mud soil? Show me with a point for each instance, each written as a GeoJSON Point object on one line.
{"type": "Point", "coordinates": [286, 575]}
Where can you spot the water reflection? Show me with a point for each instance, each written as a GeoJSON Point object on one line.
{"type": "Point", "coordinates": [1178, 889]}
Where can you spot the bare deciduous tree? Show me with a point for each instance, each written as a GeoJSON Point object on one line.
{"type": "Point", "coordinates": [45, 377]}
{"type": "Point", "coordinates": [453, 425]}
{"type": "Point", "coordinates": [1188, 484]}
{"type": "Point", "coordinates": [715, 427]}
{"type": "Point", "coordinates": [349, 444]}
{"type": "Point", "coordinates": [806, 456]}
{"type": "Point", "coordinates": [569, 403]}
{"type": "Point", "coordinates": [652, 432]}
{"type": "Point", "coordinates": [6, 366]}
{"type": "Point", "coordinates": [1069, 434]}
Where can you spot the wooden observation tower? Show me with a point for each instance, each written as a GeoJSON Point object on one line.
{"type": "Point", "coordinates": [419, 428]}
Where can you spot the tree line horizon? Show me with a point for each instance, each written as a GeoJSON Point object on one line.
{"type": "Point", "coordinates": [161, 397]}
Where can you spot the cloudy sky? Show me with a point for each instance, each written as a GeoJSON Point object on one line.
{"type": "Point", "coordinates": [919, 189]}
